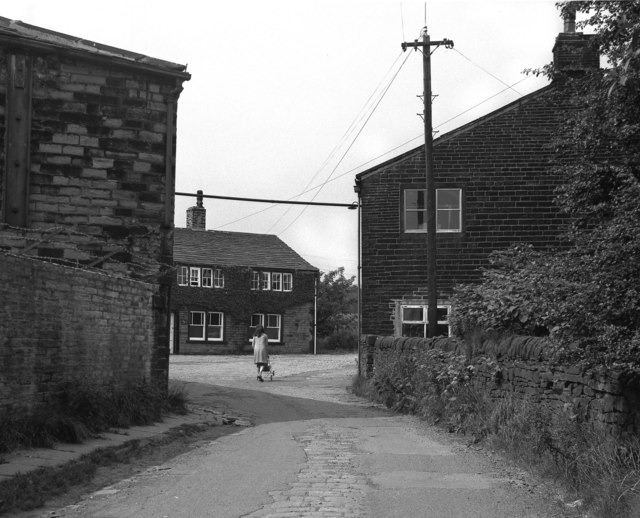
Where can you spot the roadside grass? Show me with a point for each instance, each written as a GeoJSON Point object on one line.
{"type": "Point", "coordinates": [600, 473]}
{"type": "Point", "coordinates": [79, 413]}
{"type": "Point", "coordinates": [82, 410]}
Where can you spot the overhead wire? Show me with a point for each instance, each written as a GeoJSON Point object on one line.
{"type": "Point", "coordinates": [351, 144]}
{"type": "Point", "coordinates": [344, 137]}
{"type": "Point", "coordinates": [350, 129]}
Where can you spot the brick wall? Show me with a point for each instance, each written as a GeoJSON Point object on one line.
{"type": "Point", "coordinates": [502, 164]}
{"type": "Point", "coordinates": [102, 148]}
{"type": "Point", "coordinates": [526, 370]}
{"type": "Point", "coordinates": [238, 302]}
{"type": "Point", "coordinates": [60, 324]}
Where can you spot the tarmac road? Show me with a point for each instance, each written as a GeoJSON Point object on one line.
{"type": "Point", "coordinates": [315, 450]}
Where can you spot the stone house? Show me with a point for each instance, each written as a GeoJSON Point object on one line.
{"type": "Point", "coordinates": [226, 283]}
{"type": "Point", "coordinates": [494, 187]}
{"type": "Point", "coordinates": [87, 168]}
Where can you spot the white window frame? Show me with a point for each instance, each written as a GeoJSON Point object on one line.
{"type": "Point", "coordinates": [183, 276]}
{"type": "Point", "coordinates": [424, 321]}
{"type": "Point", "coordinates": [194, 277]}
{"type": "Point", "coordinates": [255, 280]}
{"type": "Point", "coordinates": [264, 320]}
{"type": "Point", "coordinates": [287, 282]}
{"type": "Point", "coordinates": [203, 316]}
{"type": "Point", "coordinates": [406, 210]}
{"type": "Point", "coordinates": [207, 278]}
{"type": "Point", "coordinates": [221, 326]}
{"type": "Point", "coordinates": [218, 278]}
{"type": "Point", "coordinates": [276, 281]}
{"type": "Point", "coordinates": [265, 281]}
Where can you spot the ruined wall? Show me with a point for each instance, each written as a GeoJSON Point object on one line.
{"type": "Point", "coordinates": [61, 325]}
{"type": "Point", "coordinates": [525, 369]}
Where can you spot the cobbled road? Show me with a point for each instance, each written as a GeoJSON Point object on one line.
{"type": "Point", "coordinates": [305, 446]}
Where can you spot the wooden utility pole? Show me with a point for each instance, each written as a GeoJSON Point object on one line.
{"type": "Point", "coordinates": [430, 194]}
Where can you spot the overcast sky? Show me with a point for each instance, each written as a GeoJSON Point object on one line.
{"type": "Point", "coordinates": [281, 91]}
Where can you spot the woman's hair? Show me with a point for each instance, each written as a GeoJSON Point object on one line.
{"type": "Point", "coordinates": [259, 330]}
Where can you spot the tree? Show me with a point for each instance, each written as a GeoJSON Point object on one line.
{"type": "Point", "coordinates": [337, 309]}
{"type": "Point", "coordinates": [588, 298]}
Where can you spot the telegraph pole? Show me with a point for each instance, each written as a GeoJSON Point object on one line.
{"type": "Point", "coordinates": [432, 293]}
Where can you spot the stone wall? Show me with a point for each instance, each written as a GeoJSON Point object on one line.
{"type": "Point", "coordinates": [63, 325]}
{"type": "Point", "coordinates": [525, 369]}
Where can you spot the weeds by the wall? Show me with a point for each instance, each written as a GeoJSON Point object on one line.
{"type": "Point", "coordinates": [82, 409]}
{"type": "Point", "coordinates": [601, 470]}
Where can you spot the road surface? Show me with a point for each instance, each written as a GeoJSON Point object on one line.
{"type": "Point", "coordinates": [314, 450]}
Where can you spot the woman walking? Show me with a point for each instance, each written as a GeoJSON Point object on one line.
{"type": "Point", "coordinates": [260, 350]}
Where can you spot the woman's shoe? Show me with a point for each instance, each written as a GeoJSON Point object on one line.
{"type": "Point", "coordinates": [260, 378]}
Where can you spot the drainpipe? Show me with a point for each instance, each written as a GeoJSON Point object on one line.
{"type": "Point", "coordinates": [315, 316]}
{"type": "Point", "coordinates": [356, 188]}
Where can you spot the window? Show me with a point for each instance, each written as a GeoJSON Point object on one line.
{"type": "Point", "coordinates": [218, 278]}
{"type": "Point", "coordinates": [207, 278]}
{"type": "Point", "coordinates": [276, 281]}
{"type": "Point", "coordinates": [415, 321]}
{"type": "Point", "coordinates": [212, 331]}
{"type": "Point", "coordinates": [196, 325]}
{"type": "Point", "coordinates": [448, 210]}
{"type": "Point", "coordinates": [265, 280]}
{"type": "Point", "coordinates": [287, 282]}
{"type": "Point", "coordinates": [183, 276]}
{"type": "Point", "coordinates": [215, 326]}
{"type": "Point", "coordinates": [272, 324]}
{"type": "Point", "coordinates": [255, 280]}
{"type": "Point", "coordinates": [194, 276]}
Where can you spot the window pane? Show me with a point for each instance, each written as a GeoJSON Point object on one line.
{"type": "Point", "coordinates": [183, 275]}
{"type": "Point", "coordinates": [257, 319]}
{"type": "Point", "coordinates": [218, 278]}
{"type": "Point", "coordinates": [287, 282]}
{"type": "Point", "coordinates": [196, 326]}
{"type": "Point", "coordinates": [443, 313]}
{"type": "Point", "coordinates": [266, 280]}
{"type": "Point", "coordinates": [448, 220]}
{"type": "Point", "coordinates": [276, 281]}
{"type": "Point", "coordinates": [416, 220]}
{"type": "Point", "coordinates": [255, 280]}
{"type": "Point", "coordinates": [195, 276]}
{"type": "Point", "coordinates": [273, 321]}
{"type": "Point", "coordinates": [215, 319]}
{"type": "Point", "coordinates": [448, 198]}
{"type": "Point", "coordinates": [414, 199]}
{"type": "Point", "coordinates": [413, 315]}
{"type": "Point", "coordinates": [207, 280]}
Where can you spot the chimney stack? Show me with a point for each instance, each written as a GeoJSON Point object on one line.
{"type": "Point", "coordinates": [574, 52]}
{"type": "Point", "coordinates": [197, 216]}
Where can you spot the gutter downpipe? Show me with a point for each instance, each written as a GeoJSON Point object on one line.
{"type": "Point", "coordinates": [356, 188]}
{"type": "Point", "coordinates": [315, 316]}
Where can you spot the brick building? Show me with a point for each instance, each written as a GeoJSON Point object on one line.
{"type": "Point", "coordinates": [87, 171]}
{"type": "Point", "coordinates": [226, 283]}
{"type": "Point", "coordinates": [494, 187]}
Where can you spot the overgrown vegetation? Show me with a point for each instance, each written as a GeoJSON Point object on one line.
{"type": "Point", "coordinates": [587, 297]}
{"type": "Point", "coordinates": [81, 410]}
{"type": "Point", "coordinates": [337, 316]}
{"type": "Point", "coordinates": [596, 468]}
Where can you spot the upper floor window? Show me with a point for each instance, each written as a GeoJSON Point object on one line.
{"type": "Point", "coordinates": [218, 278]}
{"type": "Point", "coordinates": [415, 320]}
{"type": "Point", "coordinates": [183, 275]}
{"type": "Point", "coordinates": [194, 276]}
{"type": "Point", "coordinates": [287, 282]}
{"type": "Point", "coordinates": [265, 280]}
{"type": "Point", "coordinates": [276, 281]}
{"type": "Point", "coordinates": [448, 210]}
{"type": "Point", "coordinates": [255, 280]}
{"type": "Point", "coordinates": [207, 278]}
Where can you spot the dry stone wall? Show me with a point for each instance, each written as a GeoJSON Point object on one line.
{"type": "Point", "coordinates": [526, 369]}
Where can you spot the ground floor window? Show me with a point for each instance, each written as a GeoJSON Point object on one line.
{"type": "Point", "coordinates": [206, 326]}
{"type": "Point", "coordinates": [271, 322]}
{"type": "Point", "coordinates": [415, 320]}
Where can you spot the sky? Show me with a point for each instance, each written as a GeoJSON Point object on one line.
{"type": "Point", "coordinates": [290, 99]}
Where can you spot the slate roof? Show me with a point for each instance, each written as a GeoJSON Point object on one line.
{"type": "Point", "coordinates": [15, 31]}
{"type": "Point", "coordinates": [216, 247]}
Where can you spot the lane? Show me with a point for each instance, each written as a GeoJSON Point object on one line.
{"type": "Point", "coordinates": [319, 453]}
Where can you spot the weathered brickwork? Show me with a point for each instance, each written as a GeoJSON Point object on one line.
{"type": "Point", "coordinates": [60, 325]}
{"type": "Point", "coordinates": [525, 369]}
{"type": "Point", "coordinates": [87, 175]}
{"type": "Point", "coordinates": [502, 165]}
{"type": "Point", "coordinates": [238, 302]}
